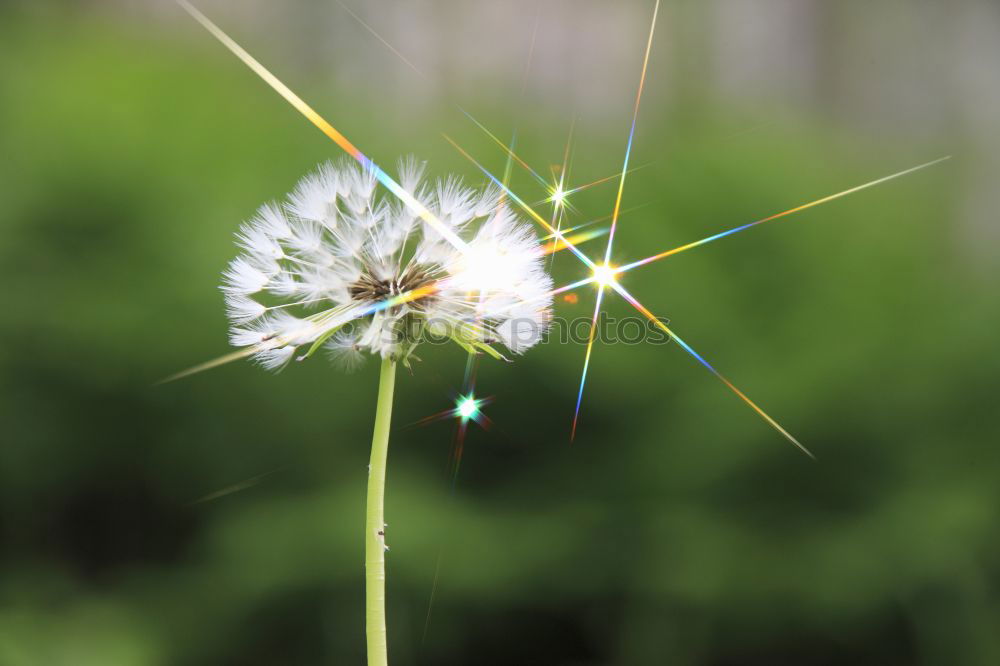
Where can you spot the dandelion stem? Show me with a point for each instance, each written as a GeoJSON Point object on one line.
{"type": "Point", "coordinates": [375, 521]}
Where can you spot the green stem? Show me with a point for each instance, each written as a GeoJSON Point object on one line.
{"type": "Point", "coordinates": [375, 521]}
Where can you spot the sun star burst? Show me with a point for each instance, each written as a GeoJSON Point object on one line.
{"type": "Point", "coordinates": [601, 273]}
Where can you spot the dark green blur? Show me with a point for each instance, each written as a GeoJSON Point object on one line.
{"type": "Point", "coordinates": [678, 527]}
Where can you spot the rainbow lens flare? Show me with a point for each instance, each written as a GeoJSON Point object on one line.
{"type": "Point", "coordinates": [603, 273]}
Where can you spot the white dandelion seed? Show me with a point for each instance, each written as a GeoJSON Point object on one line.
{"type": "Point", "coordinates": [336, 253]}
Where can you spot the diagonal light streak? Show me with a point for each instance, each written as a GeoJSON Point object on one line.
{"type": "Point", "coordinates": [642, 309]}
{"type": "Point", "coordinates": [603, 274]}
{"type": "Point", "coordinates": [400, 299]}
{"type": "Point", "coordinates": [555, 194]}
{"type": "Point", "coordinates": [673, 336]}
{"type": "Point", "coordinates": [634, 303]}
{"type": "Point", "coordinates": [320, 321]}
{"type": "Point", "coordinates": [586, 358]}
{"type": "Point", "coordinates": [578, 188]}
{"type": "Point", "coordinates": [509, 151]}
{"type": "Point", "coordinates": [558, 198]}
{"type": "Point", "coordinates": [509, 166]}
{"type": "Point", "coordinates": [576, 239]}
{"type": "Point", "coordinates": [586, 362]}
{"type": "Point", "coordinates": [524, 206]}
{"type": "Point", "coordinates": [572, 230]}
{"type": "Point", "coordinates": [385, 42]}
{"type": "Point", "coordinates": [614, 221]}
{"type": "Point", "coordinates": [797, 209]}
{"type": "Point", "coordinates": [631, 134]}
{"type": "Point", "coordinates": [552, 197]}
{"type": "Point", "coordinates": [297, 102]}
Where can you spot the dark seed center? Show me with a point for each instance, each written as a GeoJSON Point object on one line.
{"type": "Point", "coordinates": [370, 288]}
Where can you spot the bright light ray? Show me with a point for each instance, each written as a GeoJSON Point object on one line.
{"type": "Point", "coordinates": [599, 271]}
{"type": "Point", "coordinates": [576, 239]}
{"type": "Point", "coordinates": [381, 39]}
{"type": "Point", "coordinates": [524, 206]}
{"type": "Point", "coordinates": [673, 336]}
{"type": "Point", "coordinates": [631, 134]}
{"type": "Point", "coordinates": [586, 362]}
{"type": "Point", "coordinates": [400, 299]}
{"type": "Point", "coordinates": [508, 168]}
{"type": "Point", "coordinates": [509, 150]}
{"type": "Point", "coordinates": [600, 181]}
{"type": "Point", "coordinates": [561, 242]}
{"type": "Point", "coordinates": [601, 284]}
{"type": "Point", "coordinates": [561, 196]}
{"type": "Point", "coordinates": [328, 129]}
{"type": "Point", "coordinates": [510, 153]}
{"type": "Point", "coordinates": [568, 243]}
{"type": "Point", "coordinates": [558, 198]}
{"type": "Point", "coordinates": [596, 220]}
{"type": "Point", "coordinates": [571, 230]}
{"type": "Point", "coordinates": [558, 194]}
{"type": "Point", "coordinates": [826, 199]}
{"type": "Point", "coordinates": [571, 286]}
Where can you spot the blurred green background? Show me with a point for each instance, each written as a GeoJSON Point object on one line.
{"type": "Point", "coordinates": [677, 528]}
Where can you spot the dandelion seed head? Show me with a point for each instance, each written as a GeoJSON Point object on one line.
{"type": "Point", "coordinates": [336, 252]}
